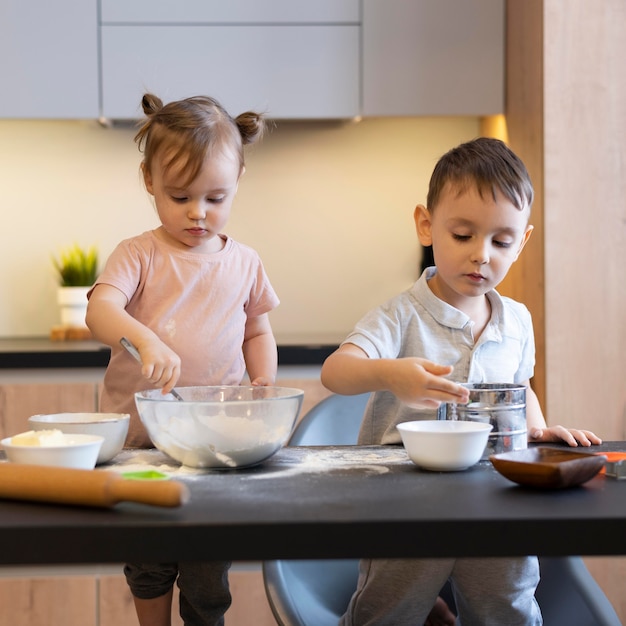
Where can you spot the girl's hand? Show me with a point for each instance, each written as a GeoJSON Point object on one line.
{"type": "Point", "coordinates": [571, 436]}
{"type": "Point", "coordinates": [261, 381]}
{"type": "Point", "coordinates": [160, 364]}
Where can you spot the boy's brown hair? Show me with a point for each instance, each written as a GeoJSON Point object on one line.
{"type": "Point", "coordinates": [489, 165]}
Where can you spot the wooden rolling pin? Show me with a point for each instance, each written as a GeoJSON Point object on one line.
{"type": "Point", "coordinates": [99, 488]}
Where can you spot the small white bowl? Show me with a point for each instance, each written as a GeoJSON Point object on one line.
{"type": "Point", "coordinates": [113, 427]}
{"type": "Point", "coordinates": [444, 446]}
{"type": "Point", "coordinates": [76, 451]}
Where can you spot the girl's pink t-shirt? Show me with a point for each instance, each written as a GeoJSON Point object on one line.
{"type": "Point", "coordinates": [198, 304]}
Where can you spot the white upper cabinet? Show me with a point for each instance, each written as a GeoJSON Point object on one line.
{"type": "Point", "coordinates": [49, 59]}
{"type": "Point", "coordinates": [287, 59]}
{"type": "Point", "coordinates": [291, 59]}
{"type": "Point", "coordinates": [433, 57]}
{"type": "Point", "coordinates": [231, 11]}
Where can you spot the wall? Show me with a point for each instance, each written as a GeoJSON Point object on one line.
{"type": "Point", "coordinates": [585, 214]}
{"type": "Point", "coordinates": [566, 117]}
{"type": "Point", "coordinates": [328, 206]}
{"type": "Point", "coordinates": [566, 112]}
{"type": "Point", "coordinates": [585, 227]}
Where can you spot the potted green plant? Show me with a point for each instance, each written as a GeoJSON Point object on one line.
{"type": "Point", "coordinates": [77, 270]}
{"type": "Point", "coordinates": [76, 266]}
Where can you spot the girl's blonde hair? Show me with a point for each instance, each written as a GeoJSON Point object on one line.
{"type": "Point", "coordinates": [185, 132]}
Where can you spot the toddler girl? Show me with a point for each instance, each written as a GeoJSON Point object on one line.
{"type": "Point", "coordinates": [193, 301]}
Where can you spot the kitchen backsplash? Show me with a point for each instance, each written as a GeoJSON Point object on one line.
{"type": "Point", "coordinates": [328, 205]}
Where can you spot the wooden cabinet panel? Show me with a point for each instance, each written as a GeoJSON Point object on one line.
{"type": "Point", "coordinates": [19, 401]}
{"type": "Point", "coordinates": [116, 603]}
{"type": "Point", "coordinates": [63, 601]}
{"type": "Point", "coordinates": [568, 130]}
{"type": "Point", "coordinates": [250, 605]}
{"type": "Point", "coordinates": [104, 599]}
{"type": "Point", "coordinates": [610, 573]}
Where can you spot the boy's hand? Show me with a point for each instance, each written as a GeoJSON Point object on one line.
{"type": "Point", "coordinates": [417, 382]}
{"type": "Point", "coordinates": [571, 436]}
{"type": "Point", "coordinates": [422, 384]}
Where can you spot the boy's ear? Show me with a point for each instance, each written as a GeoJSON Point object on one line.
{"type": "Point", "coordinates": [147, 179]}
{"type": "Point", "coordinates": [525, 238]}
{"type": "Point", "coordinates": [422, 218]}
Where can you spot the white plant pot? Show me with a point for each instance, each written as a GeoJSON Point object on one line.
{"type": "Point", "coordinates": [73, 304]}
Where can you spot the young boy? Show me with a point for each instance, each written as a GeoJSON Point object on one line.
{"type": "Point", "coordinates": [450, 327]}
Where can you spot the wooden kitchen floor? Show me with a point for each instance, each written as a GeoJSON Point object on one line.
{"type": "Point", "coordinates": [41, 597]}
{"type": "Point", "coordinates": [103, 599]}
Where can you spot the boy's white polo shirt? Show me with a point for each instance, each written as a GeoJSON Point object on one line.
{"type": "Point", "coordinates": [417, 323]}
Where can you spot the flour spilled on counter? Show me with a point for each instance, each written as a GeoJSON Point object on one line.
{"type": "Point", "coordinates": [152, 461]}
{"type": "Point", "coordinates": [335, 460]}
{"type": "Point", "coordinates": [287, 462]}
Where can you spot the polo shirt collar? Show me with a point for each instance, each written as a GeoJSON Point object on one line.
{"type": "Point", "coordinates": [449, 316]}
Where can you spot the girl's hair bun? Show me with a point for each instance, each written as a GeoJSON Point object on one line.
{"type": "Point", "coordinates": [189, 129]}
{"type": "Point", "coordinates": [251, 126]}
{"type": "Point", "coordinates": [151, 104]}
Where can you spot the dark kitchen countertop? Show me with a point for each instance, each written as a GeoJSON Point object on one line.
{"type": "Point", "coordinates": [324, 502]}
{"type": "Point", "coordinates": [40, 352]}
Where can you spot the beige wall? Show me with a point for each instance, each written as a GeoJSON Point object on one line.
{"type": "Point", "coordinates": [328, 206]}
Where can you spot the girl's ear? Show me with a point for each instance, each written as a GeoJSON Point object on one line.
{"type": "Point", "coordinates": [147, 179]}
{"type": "Point", "coordinates": [423, 223]}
